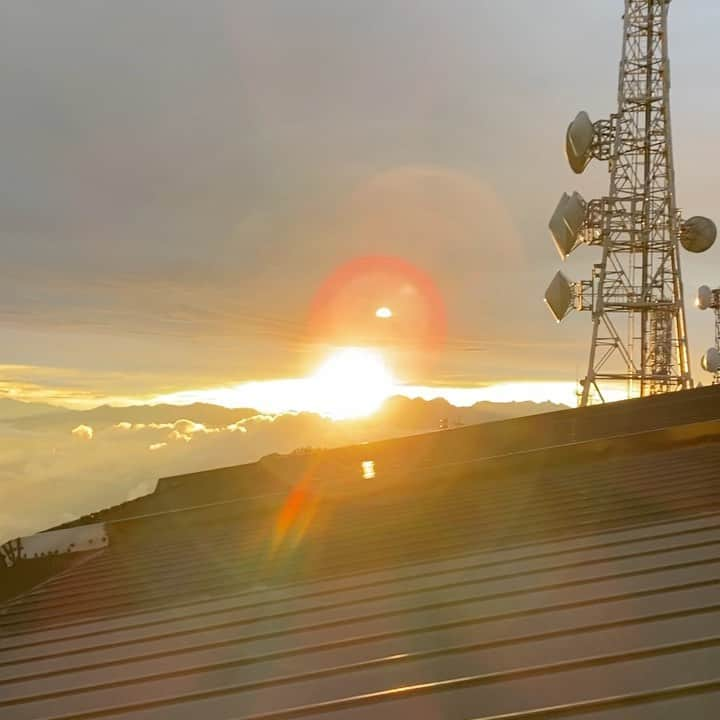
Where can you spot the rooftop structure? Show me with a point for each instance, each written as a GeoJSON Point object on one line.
{"type": "Point", "coordinates": [561, 565]}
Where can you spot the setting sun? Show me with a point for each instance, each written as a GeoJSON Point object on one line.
{"type": "Point", "coordinates": [352, 382]}
{"type": "Point", "coordinates": [383, 313]}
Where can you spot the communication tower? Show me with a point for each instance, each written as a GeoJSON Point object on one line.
{"type": "Point", "coordinates": [710, 299]}
{"type": "Point", "coordinates": [635, 294]}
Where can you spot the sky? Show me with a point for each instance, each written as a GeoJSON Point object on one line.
{"type": "Point", "coordinates": [180, 181]}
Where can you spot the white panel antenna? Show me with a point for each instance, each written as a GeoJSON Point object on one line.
{"type": "Point", "coordinates": [709, 299]}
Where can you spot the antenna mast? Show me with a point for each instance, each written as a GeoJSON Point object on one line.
{"type": "Point", "coordinates": [710, 299]}
{"type": "Point", "coordinates": [639, 340]}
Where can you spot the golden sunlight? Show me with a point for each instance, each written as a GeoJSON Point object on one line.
{"type": "Point", "coordinates": [352, 382]}
{"type": "Point", "coordinates": [383, 313]}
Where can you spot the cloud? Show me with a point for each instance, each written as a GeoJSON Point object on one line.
{"type": "Point", "coordinates": [196, 146]}
{"type": "Point", "coordinates": [48, 475]}
{"type": "Point", "coordinates": [124, 460]}
{"type": "Point", "coordinates": [177, 435]}
{"type": "Point", "coordinates": [184, 429]}
{"type": "Point", "coordinates": [70, 387]}
{"type": "Point", "coordinates": [83, 432]}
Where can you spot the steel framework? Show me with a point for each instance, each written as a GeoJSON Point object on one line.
{"type": "Point", "coordinates": [639, 336]}
{"type": "Point", "coordinates": [639, 339]}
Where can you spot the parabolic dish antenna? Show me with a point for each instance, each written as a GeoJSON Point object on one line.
{"type": "Point", "coordinates": [559, 295]}
{"type": "Point", "coordinates": [698, 234]}
{"type": "Point", "coordinates": [578, 142]}
{"type": "Point", "coordinates": [567, 222]}
{"type": "Point", "coordinates": [711, 360]}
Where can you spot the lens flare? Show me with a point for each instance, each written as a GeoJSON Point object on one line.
{"type": "Point", "coordinates": [345, 309]}
{"type": "Point", "coordinates": [295, 516]}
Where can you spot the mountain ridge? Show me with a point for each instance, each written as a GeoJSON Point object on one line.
{"type": "Point", "coordinates": [122, 451]}
{"type": "Point", "coordinates": [11, 409]}
{"type": "Point", "coordinates": [406, 412]}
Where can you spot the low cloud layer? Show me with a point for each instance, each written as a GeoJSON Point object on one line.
{"type": "Point", "coordinates": [183, 430]}
{"type": "Point", "coordinates": [51, 474]}
{"type": "Point", "coordinates": [83, 432]}
{"type": "Point", "coordinates": [56, 468]}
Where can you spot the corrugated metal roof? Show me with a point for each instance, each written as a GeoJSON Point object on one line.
{"type": "Point", "coordinates": [575, 581]}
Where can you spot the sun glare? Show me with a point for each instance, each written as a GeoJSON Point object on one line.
{"type": "Point", "coordinates": [352, 382]}
{"type": "Point", "coordinates": [383, 313]}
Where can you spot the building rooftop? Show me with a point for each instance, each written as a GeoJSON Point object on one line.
{"type": "Point", "coordinates": [562, 565]}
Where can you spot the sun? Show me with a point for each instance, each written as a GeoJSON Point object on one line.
{"type": "Point", "coordinates": [351, 383]}
{"type": "Point", "coordinates": [383, 313]}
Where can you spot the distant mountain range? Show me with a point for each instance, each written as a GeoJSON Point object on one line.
{"type": "Point", "coordinates": [52, 471]}
{"type": "Point", "coordinates": [418, 414]}
{"type": "Point", "coordinates": [398, 414]}
{"type": "Point", "coordinates": [15, 409]}
{"type": "Point", "coordinates": [107, 415]}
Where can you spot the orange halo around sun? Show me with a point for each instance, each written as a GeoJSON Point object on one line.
{"type": "Point", "coordinates": [350, 306]}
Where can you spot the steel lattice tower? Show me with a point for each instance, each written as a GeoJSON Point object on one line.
{"type": "Point", "coordinates": [639, 339]}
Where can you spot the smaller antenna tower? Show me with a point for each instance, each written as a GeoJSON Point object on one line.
{"type": "Point", "coordinates": [708, 299]}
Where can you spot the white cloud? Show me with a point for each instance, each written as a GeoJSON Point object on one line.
{"type": "Point", "coordinates": [72, 476]}
{"type": "Point", "coordinates": [83, 432]}
{"type": "Point", "coordinates": [237, 427]}
{"type": "Point", "coordinates": [184, 430]}
{"type": "Point", "coordinates": [177, 435]}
